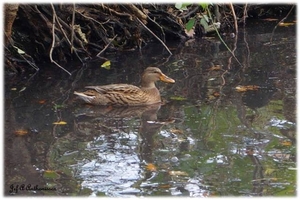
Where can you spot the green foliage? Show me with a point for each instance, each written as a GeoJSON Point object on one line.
{"type": "Point", "coordinates": [204, 20]}
{"type": "Point", "coordinates": [182, 6]}
{"type": "Point", "coordinates": [190, 24]}
{"type": "Point", "coordinates": [204, 5]}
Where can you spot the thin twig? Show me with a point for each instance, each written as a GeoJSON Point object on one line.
{"type": "Point", "coordinates": [245, 15]}
{"type": "Point", "coordinates": [233, 50]}
{"type": "Point", "coordinates": [155, 36]}
{"type": "Point", "coordinates": [234, 17]}
{"type": "Point", "coordinates": [232, 53]}
{"type": "Point", "coordinates": [279, 23]}
{"type": "Point", "coordinates": [66, 37]}
{"type": "Point", "coordinates": [53, 41]}
{"type": "Point", "coordinates": [162, 30]}
{"type": "Point", "coordinates": [72, 32]}
{"type": "Point", "coordinates": [106, 46]}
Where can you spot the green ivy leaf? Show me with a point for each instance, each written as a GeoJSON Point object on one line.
{"type": "Point", "coordinates": [204, 23]}
{"type": "Point", "coordinates": [190, 24]}
{"type": "Point", "coordinates": [182, 6]}
{"type": "Point", "coordinates": [204, 5]}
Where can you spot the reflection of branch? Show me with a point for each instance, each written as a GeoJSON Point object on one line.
{"type": "Point", "coordinates": [245, 15]}
{"type": "Point", "coordinates": [232, 52]}
{"type": "Point", "coordinates": [258, 175]}
{"type": "Point", "coordinates": [280, 22]}
{"type": "Point", "coordinates": [248, 50]}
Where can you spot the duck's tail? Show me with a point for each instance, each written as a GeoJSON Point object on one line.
{"type": "Point", "coordinates": [84, 97]}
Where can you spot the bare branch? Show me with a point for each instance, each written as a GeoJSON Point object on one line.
{"type": "Point", "coordinates": [155, 36]}
{"type": "Point", "coordinates": [106, 46]}
{"type": "Point", "coordinates": [53, 41]}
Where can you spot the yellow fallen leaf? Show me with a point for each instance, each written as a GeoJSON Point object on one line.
{"type": "Point", "coordinates": [106, 64]}
{"type": "Point", "coordinates": [286, 24]}
{"type": "Point", "coordinates": [42, 101]}
{"type": "Point", "coordinates": [151, 167]}
{"type": "Point", "coordinates": [286, 143]}
{"type": "Point", "coordinates": [60, 123]}
{"type": "Point", "coordinates": [164, 186]}
{"type": "Point", "coordinates": [270, 19]}
{"type": "Point", "coordinates": [269, 171]}
{"type": "Point", "coordinates": [178, 98]}
{"type": "Point", "coordinates": [215, 68]}
{"type": "Point", "coordinates": [21, 132]}
{"type": "Point", "coordinates": [176, 131]}
{"type": "Point", "coordinates": [244, 88]}
{"type": "Point", "coordinates": [50, 174]}
{"type": "Point", "coordinates": [178, 173]}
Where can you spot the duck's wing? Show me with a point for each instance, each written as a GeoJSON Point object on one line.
{"type": "Point", "coordinates": [125, 89]}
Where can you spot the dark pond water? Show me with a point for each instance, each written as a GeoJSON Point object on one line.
{"type": "Point", "coordinates": [208, 139]}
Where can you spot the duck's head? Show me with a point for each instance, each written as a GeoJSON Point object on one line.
{"type": "Point", "coordinates": [153, 74]}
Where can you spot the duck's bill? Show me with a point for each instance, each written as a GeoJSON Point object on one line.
{"type": "Point", "coordinates": [166, 79]}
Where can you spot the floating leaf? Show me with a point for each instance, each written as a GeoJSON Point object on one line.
{"type": "Point", "coordinates": [216, 94]}
{"type": "Point", "coordinates": [164, 186]}
{"type": "Point", "coordinates": [106, 64]}
{"type": "Point", "coordinates": [60, 123]}
{"type": "Point", "coordinates": [286, 143]}
{"type": "Point", "coordinates": [286, 24]}
{"type": "Point", "coordinates": [50, 174]}
{"type": "Point", "coordinates": [42, 101]}
{"type": "Point", "coordinates": [270, 19]}
{"type": "Point", "coordinates": [57, 106]}
{"type": "Point", "coordinates": [24, 88]}
{"type": "Point", "coordinates": [215, 68]}
{"type": "Point", "coordinates": [178, 98]}
{"type": "Point", "coordinates": [176, 131]}
{"type": "Point", "coordinates": [246, 88]}
{"type": "Point", "coordinates": [151, 167]}
{"type": "Point", "coordinates": [178, 173]}
{"type": "Point", "coordinates": [269, 171]}
{"type": "Point", "coordinates": [21, 132]}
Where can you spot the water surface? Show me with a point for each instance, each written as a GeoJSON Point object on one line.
{"type": "Point", "coordinates": [206, 139]}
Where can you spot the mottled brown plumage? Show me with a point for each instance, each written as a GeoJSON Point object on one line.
{"type": "Point", "coordinates": [127, 95]}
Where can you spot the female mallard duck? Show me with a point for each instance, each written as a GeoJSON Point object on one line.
{"type": "Point", "coordinates": [127, 95]}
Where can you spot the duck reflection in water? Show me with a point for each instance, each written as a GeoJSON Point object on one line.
{"type": "Point", "coordinates": [95, 120]}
